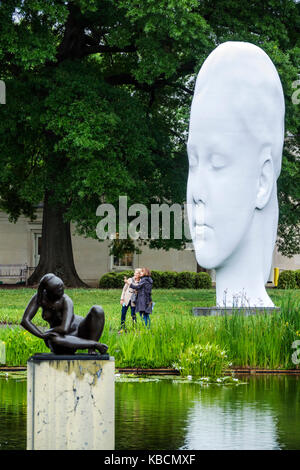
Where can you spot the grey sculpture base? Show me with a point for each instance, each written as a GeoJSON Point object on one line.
{"type": "Point", "coordinates": [219, 311]}
{"type": "Point", "coordinates": [70, 402]}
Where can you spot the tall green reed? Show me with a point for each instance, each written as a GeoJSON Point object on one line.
{"type": "Point", "coordinates": [261, 340]}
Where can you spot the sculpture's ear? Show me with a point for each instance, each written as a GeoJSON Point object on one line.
{"type": "Point", "coordinates": [265, 185]}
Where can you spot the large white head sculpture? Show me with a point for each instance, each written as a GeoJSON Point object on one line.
{"type": "Point", "coordinates": [234, 147]}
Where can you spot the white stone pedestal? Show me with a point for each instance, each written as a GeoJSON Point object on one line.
{"type": "Point", "coordinates": [70, 402]}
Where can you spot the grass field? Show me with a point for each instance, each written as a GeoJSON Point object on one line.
{"type": "Point", "coordinates": [13, 302]}
{"type": "Point", "coordinates": [256, 341]}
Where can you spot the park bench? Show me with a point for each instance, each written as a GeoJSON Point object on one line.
{"type": "Point", "coordinates": [14, 271]}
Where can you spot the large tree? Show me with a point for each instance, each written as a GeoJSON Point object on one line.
{"type": "Point", "coordinates": [98, 96]}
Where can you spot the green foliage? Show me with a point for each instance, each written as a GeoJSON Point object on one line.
{"type": "Point", "coordinates": [109, 281]}
{"type": "Point", "coordinates": [168, 280]}
{"type": "Point", "coordinates": [98, 98]}
{"type": "Point", "coordinates": [156, 277]}
{"type": "Point", "coordinates": [120, 277]}
{"type": "Point", "coordinates": [202, 281]}
{"type": "Point", "coordinates": [120, 248]}
{"type": "Point", "coordinates": [20, 345]}
{"type": "Point", "coordinates": [2, 352]}
{"type": "Point", "coordinates": [185, 280]}
{"type": "Point", "coordinates": [297, 275]}
{"type": "Point", "coordinates": [287, 280]}
{"type": "Point", "coordinates": [96, 110]}
{"type": "Point", "coordinates": [262, 340]}
{"type": "Point", "coordinates": [164, 279]}
{"type": "Point", "coordinates": [114, 280]}
{"type": "Point", "coordinates": [203, 360]}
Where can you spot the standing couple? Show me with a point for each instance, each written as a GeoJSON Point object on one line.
{"type": "Point", "coordinates": [137, 294]}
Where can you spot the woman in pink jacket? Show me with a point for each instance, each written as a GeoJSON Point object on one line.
{"type": "Point", "coordinates": [127, 298]}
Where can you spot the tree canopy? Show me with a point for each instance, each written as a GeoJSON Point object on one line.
{"type": "Point", "coordinates": [98, 95]}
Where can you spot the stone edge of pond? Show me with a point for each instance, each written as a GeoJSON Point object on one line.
{"type": "Point", "coordinates": [166, 371]}
{"type": "Point", "coordinates": [247, 371]}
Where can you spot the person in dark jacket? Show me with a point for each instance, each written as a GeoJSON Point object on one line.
{"type": "Point", "coordinates": [143, 303]}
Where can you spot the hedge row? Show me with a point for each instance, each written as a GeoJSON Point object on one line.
{"type": "Point", "coordinates": [161, 280]}
{"type": "Point", "coordinates": [289, 279]}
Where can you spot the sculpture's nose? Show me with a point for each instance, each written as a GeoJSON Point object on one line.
{"type": "Point", "coordinates": [199, 179]}
{"type": "Point", "coordinates": [199, 190]}
{"type": "Point", "coordinates": [198, 212]}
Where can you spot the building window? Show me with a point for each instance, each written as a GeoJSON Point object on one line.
{"type": "Point", "coordinates": [36, 238]}
{"type": "Point", "coordinates": [124, 262]}
{"type": "Point", "coordinates": [37, 248]}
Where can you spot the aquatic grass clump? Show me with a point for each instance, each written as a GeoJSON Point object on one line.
{"type": "Point", "coordinates": [155, 347]}
{"type": "Point", "coordinates": [203, 360]}
{"type": "Point", "coordinates": [20, 345]}
{"type": "Point", "coordinates": [262, 340]}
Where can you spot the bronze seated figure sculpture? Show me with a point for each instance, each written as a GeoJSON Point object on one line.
{"type": "Point", "coordinates": [68, 332]}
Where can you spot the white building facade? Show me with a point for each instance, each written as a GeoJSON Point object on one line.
{"type": "Point", "coordinates": [20, 243]}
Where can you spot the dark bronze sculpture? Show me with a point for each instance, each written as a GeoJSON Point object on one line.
{"type": "Point", "coordinates": [68, 332]}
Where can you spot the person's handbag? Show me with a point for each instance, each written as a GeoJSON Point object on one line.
{"type": "Point", "coordinates": [133, 298]}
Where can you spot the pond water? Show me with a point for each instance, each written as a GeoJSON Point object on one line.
{"type": "Point", "coordinates": [169, 414]}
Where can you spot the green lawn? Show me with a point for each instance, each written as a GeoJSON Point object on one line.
{"type": "Point", "coordinates": [258, 341]}
{"type": "Point", "coordinates": [175, 301]}
{"type": "Point", "coordinates": [14, 301]}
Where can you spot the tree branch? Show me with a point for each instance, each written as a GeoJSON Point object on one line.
{"type": "Point", "coordinates": [101, 48]}
{"type": "Point", "coordinates": [127, 79]}
{"type": "Point", "coordinates": [187, 90]}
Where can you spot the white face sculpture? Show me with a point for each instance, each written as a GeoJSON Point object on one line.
{"type": "Point", "coordinates": [222, 180]}
{"type": "Point", "coordinates": [233, 162]}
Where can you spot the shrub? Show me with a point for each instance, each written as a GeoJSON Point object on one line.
{"type": "Point", "coordinates": [161, 280]}
{"type": "Point", "coordinates": [156, 276]}
{"type": "Point", "coordinates": [203, 360]}
{"type": "Point", "coordinates": [127, 273]}
{"type": "Point", "coordinates": [287, 280]}
{"type": "Point", "coordinates": [168, 279]}
{"type": "Point", "coordinates": [120, 278]}
{"type": "Point", "coordinates": [114, 280]}
{"type": "Point", "coordinates": [297, 275]}
{"type": "Point", "coordinates": [202, 281]}
{"type": "Point", "coordinates": [108, 281]}
{"type": "Point", "coordinates": [185, 280]}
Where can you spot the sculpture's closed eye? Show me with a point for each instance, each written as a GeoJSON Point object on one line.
{"type": "Point", "coordinates": [217, 161]}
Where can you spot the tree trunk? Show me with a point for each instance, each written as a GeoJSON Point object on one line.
{"type": "Point", "coordinates": [56, 249]}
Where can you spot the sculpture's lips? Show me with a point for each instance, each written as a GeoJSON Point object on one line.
{"type": "Point", "coordinates": [201, 225]}
{"type": "Point", "coordinates": [201, 229]}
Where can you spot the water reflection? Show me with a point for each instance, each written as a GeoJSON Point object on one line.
{"type": "Point", "coordinates": [263, 414]}
{"type": "Point", "coordinates": [216, 423]}
{"type": "Point", "coordinates": [12, 413]}
{"type": "Point", "coordinates": [152, 415]}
